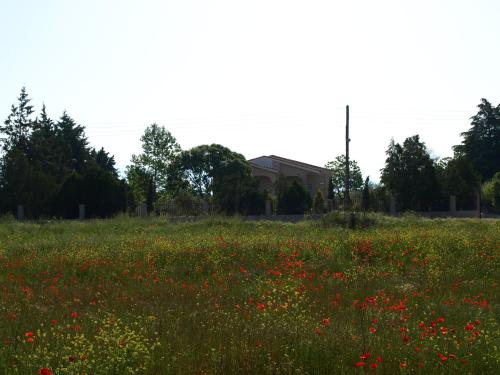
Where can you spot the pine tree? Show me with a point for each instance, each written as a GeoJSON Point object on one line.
{"type": "Point", "coordinates": [19, 124]}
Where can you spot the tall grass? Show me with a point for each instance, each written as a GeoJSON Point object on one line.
{"type": "Point", "coordinates": [225, 296]}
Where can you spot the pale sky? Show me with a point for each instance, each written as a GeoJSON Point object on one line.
{"type": "Point", "coordinates": [259, 77]}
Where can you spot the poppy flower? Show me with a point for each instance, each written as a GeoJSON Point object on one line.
{"type": "Point", "coordinates": [45, 371]}
{"type": "Point", "coordinates": [442, 357]}
{"type": "Point", "coordinates": [373, 330]}
{"type": "Point", "coordinates": [365, 356]}
{"type": "Point", "coordinates": [74, 315]}
{"type": "Point", "coordinates": [360, 364]}
{"type": "Point", "coordinates": [469, 327]}
{"type": "Point", "coordinates": [374, 365]}
{"type": "Point", "coordinates": [326, 322]}
{"type": "Point", "coordinates": [28, 334]}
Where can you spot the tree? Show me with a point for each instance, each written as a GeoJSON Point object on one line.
{"type": "Point", "coordinates": [19, 123]}
{"type": "Point", "coordinates": [159, 150]}
{"type": "Point", "coordinates": [215, 172]}
{"type": "Point", "coordinates": [409, 174]}
{"type": "Point", "coordinates": [104, 160]}
{"type": "Point", "coordinates": [481, 143]}
{"type": "Point", "coordinates": [46, 164]}
{"type": "Point", "coordinates": [338, 176]}
{"type": "Point", "coordinates": [295, 200]}
{"type": "Point", "coordinates": [491, 192]}
{"type": "Point", "coordinates": [366, 195]}
{"type": "Point", "coordinates": [100, 191]}
{"type": "Point", "coordinates": [458, 177]}
{"type": "Point", "coordinates": [319, 203]}
{"type": "Point", "coordinates": [17, 173]}
{"type": "Point", "coordinates": [73, 145]}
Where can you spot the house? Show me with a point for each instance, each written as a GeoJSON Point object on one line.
{"type": "Point", "coordinates": [267, 169]}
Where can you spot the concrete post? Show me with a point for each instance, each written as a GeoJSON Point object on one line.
{"type": "Point", "coordinates": [268, 207]}
{"type": "Point", "coordinates": [81, 211]}
{"type": "Point", "coordinates": [453, 204]}
{"type": "Point", "coordinates": [20, 212]}
{"type": "Point", "coordinates": [478, 204]}
{"type": "Point", "coordinates": [392, 209]}
{"type": "Point", "coordinates": [142, 210]}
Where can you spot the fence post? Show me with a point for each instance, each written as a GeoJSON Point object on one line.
{"type": "Point", "coordinates": [20, 212]}
{"type": "Point", "coordinates": [205, 207]}
{"type": "Point", "coordinates": [453, 205]}
{"type": "Point", "coordinates": [268, 207]}
{"type": "Point", "coordinates": [392, 208]}
{"type": "Point", "coordinates": [142, 210]}
{"type": "Point", "coordinates": [81, 211]}
{"type": "Point", "coordinates": [478, 203]}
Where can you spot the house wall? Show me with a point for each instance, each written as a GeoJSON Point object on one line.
{"type": "Point", "coordinates": [310, 180]}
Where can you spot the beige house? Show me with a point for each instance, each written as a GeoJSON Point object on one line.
{"type": "Point", "coordinates": [267, 169]}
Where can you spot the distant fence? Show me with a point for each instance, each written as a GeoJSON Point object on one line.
{"type": "Point", "coordinates": [459, 207]}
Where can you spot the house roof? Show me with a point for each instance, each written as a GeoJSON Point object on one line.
{"type": "Point", "coordinates": [294, 163]}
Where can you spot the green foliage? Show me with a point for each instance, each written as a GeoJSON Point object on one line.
{"type": "Point", "coordinates": [293, 198]}
{"type": "Point", "coordinates": [150, 169]}
{"type": "Point", "coordinates": [481, 143]}
{"type": "Point", "coordinates": [339, 173]}
{"type": "Point", "coordinates": [491, 192]}
{"type": "Point", "coordinates": [217, 173]}
{"type": "Point", "coordinates": [102, 194]}
{"type": "Point", "coordinates": [410, 175]}
{"type": "Point", "coordinates": [319, 203]}
{"type": "Point", "coordinates": [41, 159]}
{"type": "Point", "coordinates": [19, 124]}
{"type": "Point", "coordinates": [351, 220]}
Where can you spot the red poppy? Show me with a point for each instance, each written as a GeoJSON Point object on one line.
{"type": "Point", "coordinates": [326, 322]}
{"type": "Point", "coordinates": [365, 356]}
{"type": "Point", "coordinates": [261, 306]}
{"type": "Point", "coordinates": [29, 340]}
{"type": "Point", "coordinates": [440, 320]}
{"type": "Point", "coordinates": [360, 364]}
{"type": "Point", "coordinates": [374, 365]}
{"type": "Point", "coordinates": [379, 359]}
{"type": "Point", "coordinates": [373, 330]}
{"type": "Point", "coordinates": [317, 331]}
{"type": "Point", "coordinates": [442, 357]}
{"type": "Point", "coordinates": [28, 334]}
{"type": "Point", "coordinates": [45, 371]}
{"type": "Point", "coordinates": [469, 327]}
{"type": "Point", "coordinates": [74, 314]}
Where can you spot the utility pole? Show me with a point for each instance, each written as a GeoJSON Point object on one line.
{"type": "Point", "coordinates": [347, 198]}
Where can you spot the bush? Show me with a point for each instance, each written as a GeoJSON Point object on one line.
{"type": "Point", "coordinates": [351, 220]}
{"type": "Point", "coordinates": [491, 192]}
{"type": "Point", "coordinates": [319, 203]}
{"type": "Point", "coordinates": [295, 200]}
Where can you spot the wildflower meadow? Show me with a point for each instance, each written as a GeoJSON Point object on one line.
{"type": "Point", "coordinates": [131, 296]}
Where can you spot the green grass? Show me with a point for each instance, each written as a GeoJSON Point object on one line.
{"type": "Point", "coordinates": [127, 296]}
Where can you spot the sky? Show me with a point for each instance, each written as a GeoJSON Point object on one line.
{"type": "Point", "coordinates": [260, 77]}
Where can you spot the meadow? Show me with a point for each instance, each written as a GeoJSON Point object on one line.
{"type": "Point", "coordinates": [131, 296]}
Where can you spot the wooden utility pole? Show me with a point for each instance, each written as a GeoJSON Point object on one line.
{"type": "Point", "coordinates": [347, 198]}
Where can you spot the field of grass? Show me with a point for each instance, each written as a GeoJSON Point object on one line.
{"type": "Point", "coordinates": [129, 296]}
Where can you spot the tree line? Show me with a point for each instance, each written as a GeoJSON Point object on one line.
{"type": "Point", "coordinates": [49, 167]}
